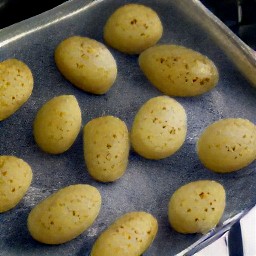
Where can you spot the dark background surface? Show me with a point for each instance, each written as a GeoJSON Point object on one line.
{"type": "Point", "coordinates": [244, 25]}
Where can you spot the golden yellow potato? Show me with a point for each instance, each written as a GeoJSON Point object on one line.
{"type": "Point", "coordinates": [16, 85]}
{"type": "Point", "coordinates": [197, 206]}
{"type": "Point", "coordinates": [132, 28]}
{"type": "Point", "coordinates": [15, 179]}
{"type": "Point", "coordinates": [57, 124]}
{"type": "Point", "coordinates": [65, 214]}
{"type": "Point", "coordinates": [159, 128]}
{"type": "Point", "coordinates": [227, 145]}
{"type": "Point", "coordinates": [178, 71]}
{"type": "Point", "coordinates": [130, 235]}
{"type": "Point", "coordinates": [86, 63]}
{"type": "Point", "coordinates": [106, 148]}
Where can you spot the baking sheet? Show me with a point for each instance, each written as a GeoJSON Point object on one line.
{"type": "Point", "coordinates": [147, 185]}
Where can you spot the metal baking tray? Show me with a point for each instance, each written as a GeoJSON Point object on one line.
{"type": "Point", "coordinates": [147, 185]}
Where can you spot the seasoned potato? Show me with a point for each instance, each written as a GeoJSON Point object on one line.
{"type": "Point", "coordinates": [132, 28]}
{"type": "Point", "coordinates": [197, 207]}
{"type": "Point", "coordinates": [15, 179]}
{"type": "Point", "coordinates": [106, 148]}
{"type": "Point", "coordinates": [16, 85]}
{"type": "Point", "coordinates": [57, 124]}
{"type": "Point", "coordinates": [86, 63]}
{"type": "Point", "coordinates": [227, 145]}
{"type": "Point", "coordinates": [65, 214]}
{"type": "Point", "coordinates": [178, 71]}
{"type": "Point", "coordinates": [129, 235]}
{"type": "Point", "coordinates": [159, 128]}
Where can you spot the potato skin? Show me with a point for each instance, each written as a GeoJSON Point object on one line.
{"type": "Point", "coordinates": [65, 214]}
{"type": "Point", "coordinates": [106, 148]}
{"type": "Point", "coordinates": [57, 124]}
{"type": "Point", "coordinates": [130, 235]}
{"type": "Point", "coordinates": [197, 206]}
{"type": "Point", "coordinates": [178, 71]}
{"type": "Point", "coordinates": [132, 28]}
{"type": "Point", "coordinates": [15, 179]}
{"type": "Point", "coordinates": [16, 85]}
{"type": "Point", "coordinates": [227, 145]}
{"type": "Point", "coordinates": [159, 128]}
{"type": "Point", "coordinates": [86, 63]}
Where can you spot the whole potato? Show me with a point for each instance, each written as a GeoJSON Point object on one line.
{"type": "Point", "coordinates": [159, 128]}
{"type": "Point", "coordinates": [106, 148]}
{"type": "Point", "coordinates": [197, 206]}
{"type": "Point", "coordinates": [16, 85]}
{"type": "Point", "coordinates": [86, 63]}
{"type": "Point", "coordinates": [227, 145]}
{"type": "Point", "coordinates": [178, 71]}
{"type": "Point", "coordinates": [132, 28]}
{"type": "Point", "coordinates": [130, 235]}
{"type": "Point", "coordinates": [65, 214]}
{"type": "Point", "coordinates": [15, 179]}
{"type": "Point", "coordinates": [57, 124]}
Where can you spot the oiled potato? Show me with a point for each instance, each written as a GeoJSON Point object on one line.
{"type": "Point", "coordinates": [86, 63]}
{"type": "Point", "coordinates": [16, 85]}
{"type": "Point", "coordinates": [57, 124]}
{"type": "Point", "coordinates": [65, 214]}
{"type": "Point", "coordinates": [132, 28]}
{"type": "Point", "coordinates": [15, 179]}
{"type": "Point", "coordinates": [129, 235]}
{"type": "Point", "coordinates": [197, 207]}
{"type": "Point", "coordinates": [106, 148]}
{"type": "Point", "coordinates": [178, 71]}
{"type": "Point", "coordinates": [159, 128]}
{"type": "Point", "coordinates": [227, 145]}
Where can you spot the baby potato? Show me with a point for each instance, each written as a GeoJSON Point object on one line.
{"type": "Point", "coordinates": [227, 145]}
{"type": "Point", "coordinates": [106, 148]}
{"type": "Point", "coordinates": [197, 206]}
{"type": "Point", "coordinates": [132, 28]}
{"type": "Point", "coordinates": [57, 124]}
{"type": "Point", "coordinates": [65, 214]}
{"type": "Point", "coordinates": [15, 179]}
{"type": "Point", "coordinates": [130, 235]}
{"type": "Point", "coordinates": [178, 71]}
{"type": "Point", "coordinates": [159, 128]}
{"type": "Point", "coordinates": [86, 63]}
{"type": "Point", "coordinates": [16, 85]}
